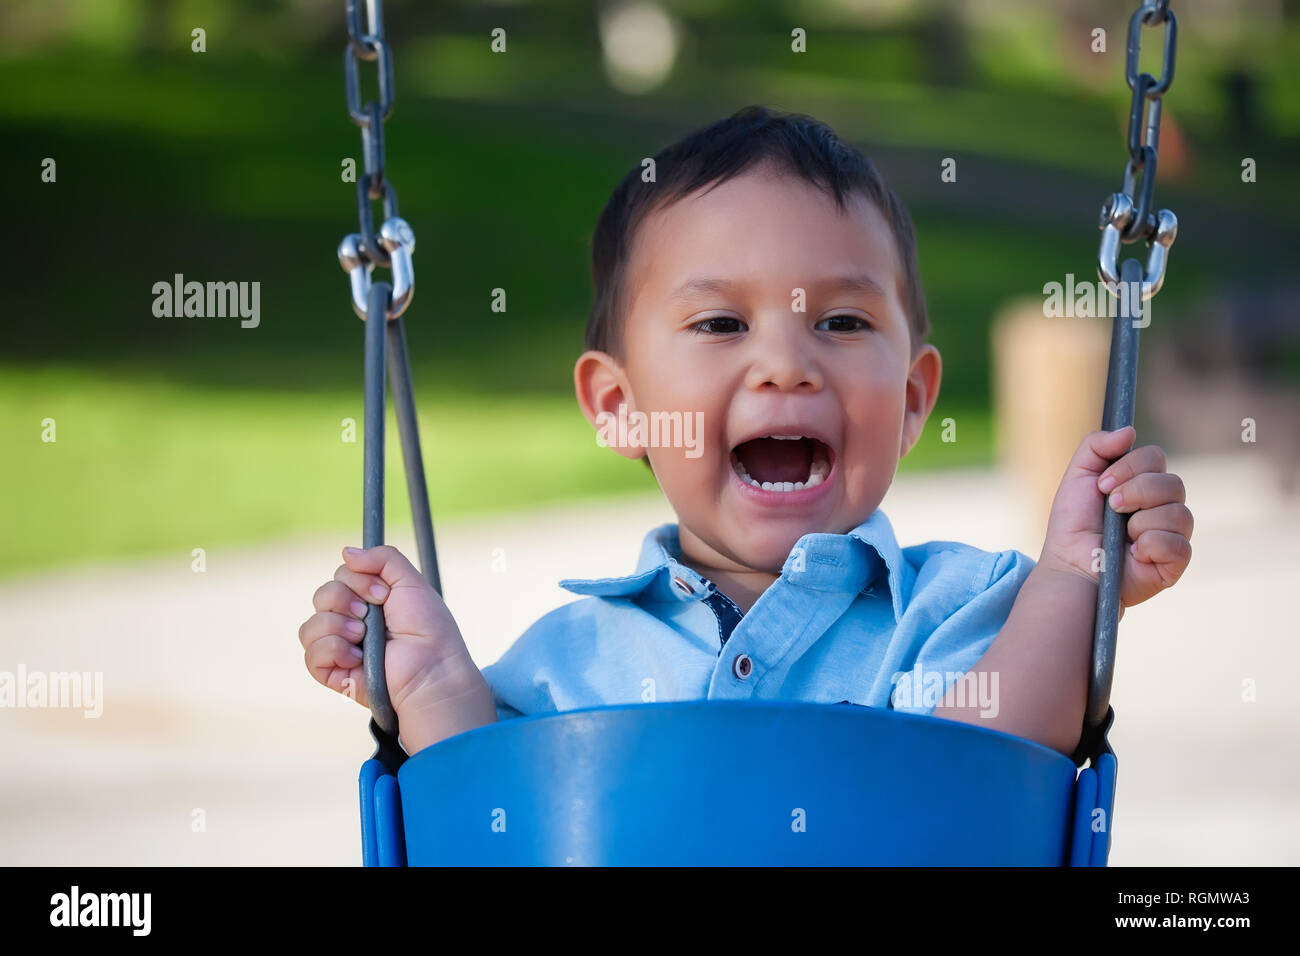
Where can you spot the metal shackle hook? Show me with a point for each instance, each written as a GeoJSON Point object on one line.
{"type": "Point", "coordinates": [358, 268]}
{"type": "Point", "coordinates": [1158, 256]}
{"type": "Point", "coordinates": [397, 237]}
{"type": "Point", "coordinates": [1115, 217]}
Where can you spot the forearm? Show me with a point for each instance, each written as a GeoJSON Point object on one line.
{"type": "Point", "coordinates": [1038, 663]}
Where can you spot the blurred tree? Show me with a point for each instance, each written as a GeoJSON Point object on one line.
{"type": "Point", "coordinates": [1241, 90]}
{"type": "Point", "coordinates": [946, 40]}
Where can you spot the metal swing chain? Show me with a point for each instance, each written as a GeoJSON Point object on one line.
{"type": "Point", "coordinates": [1124, 218]}
{"type": "Point", "coordinates": [358, 254]}
{"type": "Point", "coordinates": [1123, 221]}
{"type": "Point", "coordinates": [394, 246]}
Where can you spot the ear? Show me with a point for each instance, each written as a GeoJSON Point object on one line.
{"type": "Point", "coordinates": [601, 387]}
{"type": "Point", "coordinates": [922, 392]}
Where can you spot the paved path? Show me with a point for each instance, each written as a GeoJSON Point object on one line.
{"type": "Point", "coordinates": [207, 705]}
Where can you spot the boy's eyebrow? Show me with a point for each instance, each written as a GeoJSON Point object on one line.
{"type": "Point", "coordinates": [707, 285]}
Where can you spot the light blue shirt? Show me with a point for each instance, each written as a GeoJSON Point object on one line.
{"type": "Point", "coordinates": [852, 618]}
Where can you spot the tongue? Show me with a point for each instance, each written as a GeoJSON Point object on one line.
{"type": "Point", "coordinates": [774, 459]}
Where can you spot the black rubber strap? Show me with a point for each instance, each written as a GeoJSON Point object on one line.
{"type": "Point", "coordinates": [1095, 741]}
{"type": "Point", "coordinates": [388, 749]}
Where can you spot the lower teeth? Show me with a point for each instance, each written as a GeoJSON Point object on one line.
{"type": "Point", "coordinates": [820, 469]}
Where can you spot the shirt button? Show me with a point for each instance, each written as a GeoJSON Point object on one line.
{"type": "Point", "coordinates": [683, 586]}
{"type": "Point", "coordinates": [742, 666]}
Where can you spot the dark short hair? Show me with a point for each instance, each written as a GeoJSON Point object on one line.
{"type": "Point", "coordinates": [794, 143]}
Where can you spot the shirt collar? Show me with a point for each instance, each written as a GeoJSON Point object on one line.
{"type": "Point", "coordinates": [859, 560]}
{"type": "Point", "coordinates": [878, 535]}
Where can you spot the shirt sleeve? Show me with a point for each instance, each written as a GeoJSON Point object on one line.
{"type": "Point", "coordinates": [963, 636]}
{"type": "Point", "coordinates": [549, 668]}
{"type": "Point", "coordinates": [521, 679]}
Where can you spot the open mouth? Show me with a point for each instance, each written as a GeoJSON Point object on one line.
{"type": "Point", "coordinates": [784, 463]}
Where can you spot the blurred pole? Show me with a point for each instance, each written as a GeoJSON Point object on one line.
{"type": "Point", "coordinates": [1049, 376]}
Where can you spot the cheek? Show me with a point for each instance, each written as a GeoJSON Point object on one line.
{"type": "Point", "coordinates": [873, 432]}
{"type": "Point", "coordinates": [686, 449]}
{"type": "Point", "coordinates": [690, 484]}
{"type": "Point", "coordinates": [875, 405]}
{"type": "Point", "coordinates": [674, 382]}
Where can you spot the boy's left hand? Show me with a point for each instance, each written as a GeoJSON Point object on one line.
{"type": "Point", "coordinates": [1159, 525]}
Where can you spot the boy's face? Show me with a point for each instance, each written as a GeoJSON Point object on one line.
{"type": "Point", "coordinates": [735, 354]}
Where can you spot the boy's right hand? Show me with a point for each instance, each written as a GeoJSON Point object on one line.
{"type": "Point", "coordinates": [427, 665]}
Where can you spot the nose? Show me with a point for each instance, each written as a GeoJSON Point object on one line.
{"type": "Point", "coordinates": [782, 360]}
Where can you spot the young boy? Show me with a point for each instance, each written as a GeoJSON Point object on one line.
{"type": "Point", "coordinates": [763, 283]}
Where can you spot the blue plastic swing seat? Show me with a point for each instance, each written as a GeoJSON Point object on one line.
{"type": "Point", "coordinates": [721, 783]}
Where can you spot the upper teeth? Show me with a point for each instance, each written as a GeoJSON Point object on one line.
{"type": "Point", "coordinates": [786, 437]}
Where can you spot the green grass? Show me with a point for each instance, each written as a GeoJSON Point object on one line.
{"type": "Point", "coordinates": [142, 467]}
{"type": "Point", "coordinates": [145, 467]}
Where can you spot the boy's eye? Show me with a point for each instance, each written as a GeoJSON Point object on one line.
{"type": "Point", "coordinates": [845, 323]}
{"type": "Point", "coordinates": [718, 325]}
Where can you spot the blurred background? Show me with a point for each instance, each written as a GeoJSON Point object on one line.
{"type": "Point", "coordinates": [181, 434]}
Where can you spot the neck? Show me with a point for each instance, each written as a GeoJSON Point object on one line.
{"type": "Point", "coordinates": [743, 588]}
{"type": "Point", "coordinates": [742, 584]}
